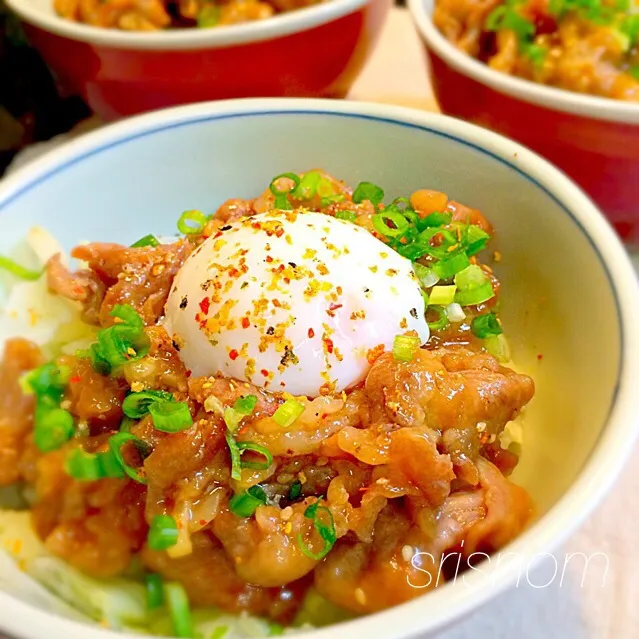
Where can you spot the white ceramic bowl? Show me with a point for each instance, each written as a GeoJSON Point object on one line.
{"type": "Point", "coordinates": [570, 293]}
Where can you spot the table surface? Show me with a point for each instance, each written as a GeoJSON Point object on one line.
{"type": "Point", "coordinates": [605, 604]}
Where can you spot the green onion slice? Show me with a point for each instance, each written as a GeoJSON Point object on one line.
{"type": "Point", "coordinates": [171, 416]}
{"type": "Point", "coordinates": [426, 276]}
{"type": "Point", "coordinates": [192, 222]}
{"type": "Point", "coordinates": [208, 17]}
{"type": "Point", "coordinates": [347, 216]}
{"type": "Point", "coordinates": [236, 469]}
{"type": "Point", "coordinates": [474, 239]}
{"type": "Point", "coordinates": [441, 322]}
{"type": "Point", "coordinates": [136, 405]}
{"type": "Point", "coordinates": [390, 223]}
{"type": "Point", "coordinates": [471, 277]}
{"type": "Point", "coordinates": [447, 268]}
{"type": "Point", "coordinates": [163, 532]}
{"type": "Point", "coordinates": [245, 405]}
{"type": "Point", "coordinates": [442, 295]}
{"type": "Point", "coordinates": [295, 491]}
{"type": "Point", "coordinates": [154, 591]}
{"type": "Point", "coordinates": [147, 240]}
{"type": "Point", "coordinates": [448, 243]}
{"type": "Point", "coordinates": [475, 296]}
{"type": "Point", "coordinates": [326, 530]}
{"type": "Point", "coordinates": [115, 445]}
{"type": "Point", "coordinates": [437, 219]}
{"type": "Point", "coordinates": [405, 347]}
{"type": "Point", "coordinates": [288, 413]}
{"type": "Point", "coordinates": [19, 271]}
{"type": "Point", "coordinates": [307, 187]}
{"type": "Point", "coordinates": [486, 325]}
{"type": "Point", "coordinates": [368, 191]}
{"type": "Point", "coordinates": [179, 610]}
{"type": "Point", "coordinates": [53, 427]}
{"type": "Point", "coordinates": [281, 195]}
{"type": "Point", "coordinates": [255, 448]}
{"type": "Point", "coordinates": [245, 504]}
{"type": "Point", "coordinates": [84, 466]}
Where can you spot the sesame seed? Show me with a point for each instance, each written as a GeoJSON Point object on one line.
{"type": "Point", "coordinates": [360, 596]}
{"type": "Point", "coordinates": [407, 552]}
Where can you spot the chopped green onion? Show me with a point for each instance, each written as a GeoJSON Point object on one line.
{"type": "Point", "coordinates": [255, 448]}
{"type": "Point", "coordinates": [497, 346]}
{"type": "Point", "coordinates": [136, 405]}
{"type": "Point", "coordinates": [245, 405]}
{"type": "Point", "coordinates": [154, 592]}
{"type": "Point", "coordinates": [281, 195]}
{"type": "Point", "coordinates": [171, 416]}
{"type": "Point", "coordinates": [475, 296]}
{"type": "Point", "coordinates": [147, 240]}
{"type": "Point", "coordinates": [236, 468]}
{"type": "Point", "coordinates": [630, 27]}
{"type": "Point", "coordinates": [398, 221]}
{"type": "Point", "coordinates": [123, 342]}
{"type": "Point", "coordinates": [486, 325]}
{"type": "Point", "coordinates": [634, 71]}
{"type": "Point", "coordinates": [295, 491]}
{"type": "Point", "coordinates": [442, 295]}
{"type": "Point", "coordinates": [179, 610]}
{"type": "Point", "coordinates": [275, 629]}
{"type": "Point", "coordinates": [115, 445]}
{"type": "Point", "coordinates": [53, 428]}
{"type": "Point", "coordinates": [163, 532]}
{"type": "Point", "coordinates": [245, 504]}
{"type": "Point", "coordinates": [49, 379]}
{"type": "Point", "coordinates": [437, 219]}
{"type": "Point", "coordinates": [426, 276]}
{"type": "Point", "coordinates": [307, 187]}
{"type": "Point", "coordinates": [219, 632]}
{"type": "Point", "coordinates": [446, 268]}
{"type": "Point", "coordinates": [331, 199]}
{"type": "Point", "coordinates": [447, 246]}
{"type": "Point", "coordinates": [455, 313]}
{"type": "Point", "coordinates": [288, 413]}
{"type": "Point", "coordinates": [536, 53]}
{"type": "Point", "coordinates": [347, 216]}
{"type": "Point", "coordinates": [368, 191]}
{"type": "Point", "coordinates": [506, 17]}
{"type": "Point", "coordinates": [442, 319]}
{"type": "Point", "coordinates": [474, 239]}
{"type": "Point", "coordinates": [126, 424]}
{"type": "Point", "coordinates": [19, 271]}
{"type": "Point", "coordinates": [413, 251]}
{"type": "Point", "coordinates": [471, 277]}
{"type": "Point", "coordinates": [405, 347]}
{"type": "Point", "coordinates": [208, 17]}
{"type": "Point", "coordinates": [192, 222]}
{"type": "Point", "coordinates": [232, 418]}
{"type": "Point", "coordinates": [326, 531]}
{"type": "Point", "coordinates": [84, 466]}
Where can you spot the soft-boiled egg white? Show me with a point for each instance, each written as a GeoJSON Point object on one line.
{"type": "Point", "coordinates": [292, 301]}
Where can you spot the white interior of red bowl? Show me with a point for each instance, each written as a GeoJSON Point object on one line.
{"type": "Point", "coordinates": [553, 98]}
{"type": "Point", "coordinates": [569, 291]}
{"type": "Point", "coordinates": [42, 14]}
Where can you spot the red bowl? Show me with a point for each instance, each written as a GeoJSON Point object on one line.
{"type": "Point", "coordinates": [312, 52]}
{"type": "Point", "coordinates": [594, 140]}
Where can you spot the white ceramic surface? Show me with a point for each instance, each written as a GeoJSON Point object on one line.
{"type": "Point", "coordinates": [559, 99]}
{"type": "Point", "coordinates": [570, 293]}
{"type": "Point", "coordinates": [42, 14]}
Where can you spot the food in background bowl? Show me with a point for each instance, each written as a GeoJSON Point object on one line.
{"type": "Point", "coordinates": [305, 389]}
{"type": "Point", "coordinates": [586, 46]}
{"type": "Point", "coordinates": [151, 15]}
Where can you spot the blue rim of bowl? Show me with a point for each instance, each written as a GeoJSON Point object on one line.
{"type": "Point", "coordinates": [463, 606]}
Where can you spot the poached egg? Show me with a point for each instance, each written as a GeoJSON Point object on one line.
{"type": "Point", "coordinates": [292, 301]}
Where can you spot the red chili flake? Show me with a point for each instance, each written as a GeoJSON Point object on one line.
{"type": "Point", "coordinates": [311, 333]}
{"type": "Point", "coordinates": [202, 522]}
{"type": "Point", "coordinates": [264, 372]}
{"type": "Point", "coordinates": [217, 235]}
{"type": "Point", "coordinates": [540, 356]}
{"type": "Point", "coordinates": [233, 354]}
{"type": "Point", "coordinates": [245, 322]}
{"type": "Point", "coordinates": [269, 259]}
{"type": "Point", "coordinates": [78, 290]}
{"type": "Point", "coordinates": [277, 303]}
{"type": "Point", "coordinates": [256, 225]}
{"type": "Point", "coordinates": [233, 272]}
{"type": "Point", "coordinates": [188, 373]}
{"type": "Point", "coordinates": [75, 379]}
{"type": "Point", "coordinates": [279, 232]}
{"type": "Point", "coordinates": [329, 344]}
{"type": "Point", "coordinates": [334, 307]}
{"type": "Point", "coordinates": [204, 305]}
